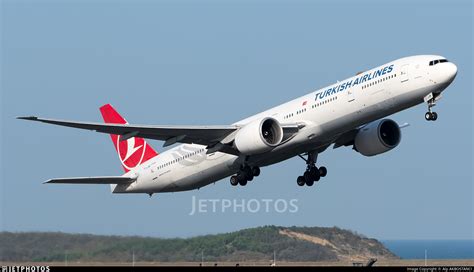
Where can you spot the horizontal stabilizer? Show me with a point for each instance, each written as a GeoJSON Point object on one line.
{"type": "Point", "coordinates": [92, 180]}
{"type": "Point", "coordinates": [404, 125]}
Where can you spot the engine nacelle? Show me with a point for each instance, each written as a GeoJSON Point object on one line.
{"type": "Point", "coordinates": [259, 136]}
{"type": "Point", "coordinates": [377, 137]}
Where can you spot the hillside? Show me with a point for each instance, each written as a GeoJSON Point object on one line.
{"type": "Point", "coordinates": [256, 244]}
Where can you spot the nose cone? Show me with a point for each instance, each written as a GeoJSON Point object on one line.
{"type": "Point", "coordinates": [449, 71]}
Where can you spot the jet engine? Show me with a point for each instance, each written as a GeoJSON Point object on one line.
{"type": "Point", "coordinates": [377, 137]}
{"type": "Point", "coordinates": [258, 136]}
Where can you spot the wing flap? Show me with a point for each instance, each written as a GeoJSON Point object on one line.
{"type": "Point", "coordinates": [92, 180]}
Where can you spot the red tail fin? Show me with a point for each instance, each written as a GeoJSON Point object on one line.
{"type": "Point", "coordinates": [132, 152]}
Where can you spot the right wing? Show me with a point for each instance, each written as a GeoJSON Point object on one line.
{"type": "Point", "coordinates": [93, 180]}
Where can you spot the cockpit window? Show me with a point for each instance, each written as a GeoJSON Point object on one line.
{"type": "Point", "coordinates": [434, 62]}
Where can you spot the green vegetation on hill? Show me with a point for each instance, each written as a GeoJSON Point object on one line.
{"type": "Point", "coordinates": [256, 244]}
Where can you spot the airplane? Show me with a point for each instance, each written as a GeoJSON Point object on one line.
{"type": "Point", "coordinates": [351, 112]}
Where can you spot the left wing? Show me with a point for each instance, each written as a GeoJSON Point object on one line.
{"type": "Point", "coordinates": [216, 138]}
{"type": "Point", "coordinates": [205, 135]}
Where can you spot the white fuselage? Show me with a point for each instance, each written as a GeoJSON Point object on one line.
{"type": "Point", "coordinates": [325, 113]}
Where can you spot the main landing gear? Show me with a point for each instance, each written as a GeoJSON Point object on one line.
{"type": "Point", "coordinates": [431, 100]}
{"type": "Point", "coordinates": [312, 172]}
{"type": "Point", "coordinates": [245, 175]}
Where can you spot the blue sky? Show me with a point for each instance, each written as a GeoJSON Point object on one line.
{"type": "Point", "coordinates": [215, 62]}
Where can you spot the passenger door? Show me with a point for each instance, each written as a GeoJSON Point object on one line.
{"type": "Point", "coordinates": [350, 95]}
{"type": "Point", "coordinates": [404, 73]}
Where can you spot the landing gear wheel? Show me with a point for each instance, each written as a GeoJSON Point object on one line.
{"type": "Point", "coordinates": [307, 176]}
{"type": "Point", "coordinates": [310, 177]}
{"type": "Point", "coordinates": [314, 174]}
{"type": "Point", "coordinates": [234, 181]}
{"type": "Point", "coordinates": [247, 170]}
{"type": "Point", "coordinates": [431, 116]}
{"type": "Point", "coordinates": [242, 181]}
{"type": "Point", "coordinates": [300, 181]}
{"type": "Point", "coordinates": [428, 116]}
{"type": "Point", "coordinates": [255, 171]}
{"type": "Point", "coordinates": [323, 171]}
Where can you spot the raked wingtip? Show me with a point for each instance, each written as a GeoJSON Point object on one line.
{"type": "Point", "coordinates": [31, 118]}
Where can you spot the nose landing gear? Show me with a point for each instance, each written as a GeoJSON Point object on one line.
{"type": "Point", "coordinates": [431, 116]}
{"type": "Point", "coordinates": [312, 173]}
{"type": "Point", "coordinates": [431, 100]}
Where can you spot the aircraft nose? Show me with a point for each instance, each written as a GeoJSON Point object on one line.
{"type": "Point", "coordinates": [450, 71]}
